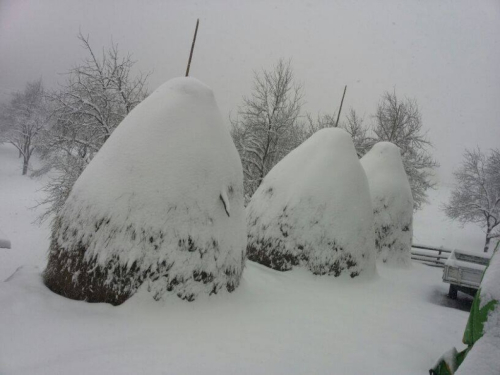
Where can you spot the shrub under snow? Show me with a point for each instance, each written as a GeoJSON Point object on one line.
{"type": "Point", "coordinates": [160, 205]}
{"type": "Point", "coordinates": [313, 208]}
{"type": "Point", "coordinates": [392, 203]}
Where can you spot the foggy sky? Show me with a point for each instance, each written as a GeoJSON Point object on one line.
{"type": "Point", "coordinates": [445, 54]}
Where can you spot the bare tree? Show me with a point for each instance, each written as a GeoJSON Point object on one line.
{"type": "Point", "coordinates": [23, 119]}
{"type": "Point", "coordinates": [353, 125]}
{"type": "Point", "coordinates": [98, 94]}
{"type": "Point", "coordinates": [322, 121]}
{"type": "Point", "coordinates": [476, 196]}
{"type": "Point", "coordinates": [359, 133]}
{"type": "Point", "coordinates": [266, 127]}
{"type": "Point", "coordinates": [400, 122]}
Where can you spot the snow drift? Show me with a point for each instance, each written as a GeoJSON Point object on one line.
{"type": "Point", "coordinates": [314, 208]}
{"type": "Point", "coordinates": [160, 205]}
{"type": "Point", "coordinates": [392, 203]}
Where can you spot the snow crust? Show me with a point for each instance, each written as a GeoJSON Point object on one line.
{"type": "Point", "coordinates": [462, 264]}
{"type": "Point", "coordinates": [452, 261]}
{"type": "Point", "coordinates": [392, 203]}
{"type": "Point", "coordinates": [275, 323]}
{"type": "Point", "coordinates": [490, 285]}
{"type": "Point", "coordinates": [314, 208]}
{"type": "Point", "coordinates": [163, 197]}
{"type": "Point", "coordinates": [483, 359]}
{"type": "Point", "coordinates": [478, 254]}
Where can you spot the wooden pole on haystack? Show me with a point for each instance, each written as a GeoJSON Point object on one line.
{"type": "Point", "coordinates": [340, 109]}
{"type": "Point", "coordinates": [192, 47]}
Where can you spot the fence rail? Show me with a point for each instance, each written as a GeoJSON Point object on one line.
{"type": "Point", "coordinates": [427, 255]}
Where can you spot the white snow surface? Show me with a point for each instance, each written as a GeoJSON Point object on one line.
{"type": "Point", "coordinates": [274, 323]}
{"type": "Point", "coordinates": [392, 203]}
{"type": "Point", "coordinates": [490, 285]}
{"type": "Point", "coordinates": [483, 359]}
{"type": "Point", "coordinates": [317, 198]}
{"type": "Point", "coordinates": [160, 179]}
{"type": "Point", "coordinates": [452, 262]}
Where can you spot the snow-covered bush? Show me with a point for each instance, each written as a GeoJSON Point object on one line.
{"type": "Point", "coordinates": [392, 203]}
{"type": "Point", "coordinates": [314, 209]}
{"type": "Point", "coordinates": [160, 205]}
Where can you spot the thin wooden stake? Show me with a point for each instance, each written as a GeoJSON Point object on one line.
{"type": "Point", "coordinates": [340, 109]}
{"type": "Point", "coordinates": [192, 47]}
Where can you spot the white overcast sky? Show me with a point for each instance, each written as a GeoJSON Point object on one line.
{"type": "Point", "coordinates": [445, 54]}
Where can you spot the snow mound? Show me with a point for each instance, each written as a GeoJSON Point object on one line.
{"type": "Point", "coordinates": [490, 285]}
{"type": "Point", "coordinates": [160, 205]}
{"type": "Point", "coordinates": [314, 208]}
{"type": "Point", "coordinates": [483, 359]}
{"type": "Point", "coordinates": [392, 203]}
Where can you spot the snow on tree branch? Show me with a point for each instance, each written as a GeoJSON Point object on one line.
{"type": "Point", "coordinates": [98, 93]}
{"type": "Point", "coordinates": [476, 196]}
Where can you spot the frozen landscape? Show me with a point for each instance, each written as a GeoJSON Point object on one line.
{"type": "Point", "coordinates": [259, 213]}
{"type": "Point", "coordinates": [274, 323]}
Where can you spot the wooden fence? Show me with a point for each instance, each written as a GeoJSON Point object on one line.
{"type": "Point", "coordinates": [432, 256]}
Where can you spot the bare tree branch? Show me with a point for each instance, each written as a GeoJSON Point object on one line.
{"type": "Point", "coordinates": [476, 196]}
{"type": "Point", "coordinates": [266, 127]}
{"type": "Point", "coordinates": [400, 122]}
{"type": "Point", "coordinates": [98, 93]}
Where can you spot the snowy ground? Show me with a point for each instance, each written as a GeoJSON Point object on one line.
{"type": "Point", "coordinates": [275, 323]}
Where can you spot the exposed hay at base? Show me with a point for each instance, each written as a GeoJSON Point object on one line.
{"type": "Point", "coordinates": [393, 242]}
{"type": "Point", "coordinates": [70, 274]}
{"type": "Point", "coordinates": [265, 253]}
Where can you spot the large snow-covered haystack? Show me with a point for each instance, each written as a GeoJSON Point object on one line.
{"type": "Point", "coordinates": [160, 205]}
{"type": "Point", "coordinates": [313, 208]}
{"type": "Point", "coordinates": [392, 203]}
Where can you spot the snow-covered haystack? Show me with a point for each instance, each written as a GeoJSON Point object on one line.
{"type": "Point", "coordinates": [313, 208]}
{"type": "Point", "coordinates": [160, 205]}
{"type": "Point", "coordinates": [392, 203]}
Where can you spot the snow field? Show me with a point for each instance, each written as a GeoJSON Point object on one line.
{"type": "Point", "coordinates": [274, 323]}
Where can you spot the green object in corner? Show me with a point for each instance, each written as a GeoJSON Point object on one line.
{"type": "Point", "coordinates": [449, 362]}
{"type": "Point", "coordinates": [477, 318]}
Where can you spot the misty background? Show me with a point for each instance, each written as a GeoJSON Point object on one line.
{"type": "Point", "coordinates": [444, 54]}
